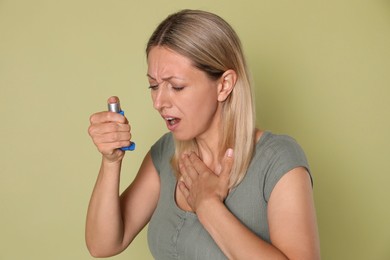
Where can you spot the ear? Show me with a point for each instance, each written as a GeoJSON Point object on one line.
{"type": "Point", "coordinates": [226, 84]}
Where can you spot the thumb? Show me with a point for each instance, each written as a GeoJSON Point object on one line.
{"type": "Point", "coordinates": [227, 163]}
{"type": "Point", "coordinates": [113, 99]}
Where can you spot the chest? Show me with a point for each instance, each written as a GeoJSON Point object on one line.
{"type": "Point", "coordinates": [180, 200]}
{"type": "Point", "coordinates": [175, 232]}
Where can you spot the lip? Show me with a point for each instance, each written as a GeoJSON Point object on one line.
{"type": "Point", "coordinates": [169, 126]}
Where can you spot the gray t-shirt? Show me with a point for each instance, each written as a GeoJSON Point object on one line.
{"type": "Point", "coordinates": [177, 234]}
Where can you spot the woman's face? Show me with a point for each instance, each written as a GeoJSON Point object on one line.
{"type": "Point", "coordinates": [185, 97]}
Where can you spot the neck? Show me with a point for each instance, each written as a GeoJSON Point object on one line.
{"type": "Point", "coordinates": [209, 151]}
{"type": "Point", "coordinates": [208, 143]}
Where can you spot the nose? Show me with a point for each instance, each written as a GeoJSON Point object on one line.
{"type": "Point", "coordinates": [160, 97]}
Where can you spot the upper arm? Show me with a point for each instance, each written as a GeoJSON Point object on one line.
{"type": "Point", "coordinates": [292, 217]}
{"type": "Point", "coordinates": [139, 200]}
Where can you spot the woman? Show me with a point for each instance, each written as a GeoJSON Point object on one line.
{"type": "Point", "coordinates": [214, 187]}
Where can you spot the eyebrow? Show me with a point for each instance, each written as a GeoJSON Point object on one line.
{"type": "Point", "coordinates": [165, 79]}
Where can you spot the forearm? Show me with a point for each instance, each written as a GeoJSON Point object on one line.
{"type": "Point", "coordinates": [234, 239]}
{"type": "Point", "coordinates": [104, 227]}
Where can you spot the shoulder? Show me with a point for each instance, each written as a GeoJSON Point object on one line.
{"type": "Point", "coordinates": [276, 155]}
{"type": "Point", "coordinates": [274, 142]}
{"type": "Point", "coordinates": [276, 147]}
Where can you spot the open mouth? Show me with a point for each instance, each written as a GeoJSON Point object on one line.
{"type": "Point", "coordinates": [172, 120]}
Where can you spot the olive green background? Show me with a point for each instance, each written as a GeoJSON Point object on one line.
{"type": "Point", "coordinates": [321, 71]}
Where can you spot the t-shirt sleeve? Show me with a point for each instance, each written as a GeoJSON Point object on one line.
{"type": "Point", "coordinates": [284, 154]}
{"type": "Point", "coordinates": [161, 150]}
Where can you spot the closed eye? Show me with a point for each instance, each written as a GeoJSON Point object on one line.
{"type": "Point", "coordinates": [178, 88]}
{"type": "Point", "coordinates": [153, 87]}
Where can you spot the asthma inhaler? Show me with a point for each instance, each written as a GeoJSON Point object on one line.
{"type": "Point", "coordinates": [116, 107]}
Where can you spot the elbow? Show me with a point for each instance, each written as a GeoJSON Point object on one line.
{"type": "Point", "coordinates": [96, 252]}
{"type": "Point", "coordinates": [101, 251]}
{"type": "Point", "coordinates": [315, 255]}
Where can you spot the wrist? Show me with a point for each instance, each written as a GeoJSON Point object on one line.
{"type": "Point", "coordinates": [112, 159]}
{"type": "Point", "coordinates": [209, 208]}
{"type": "Point", "coordinates": [108, 161]}
{"type": "Point", "coordinates": [108, 165]}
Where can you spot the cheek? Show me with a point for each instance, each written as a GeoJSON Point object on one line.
{"type": "Point", "coordinates": [201, 108]}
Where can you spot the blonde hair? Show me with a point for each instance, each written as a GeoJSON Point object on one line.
{"type": "Point", "coordinates": [214, 47]}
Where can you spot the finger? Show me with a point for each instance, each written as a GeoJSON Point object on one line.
{"type": "Point", "coordinates": [111, 148]}
{"type": "Point", "coordinates": [188, 167]}
{"type": "Point", "coordinates": [104, 128]}
{"type": "Point", "coordinates": [113, 99]}
{"type": "Point", "coordinates": [112, 137]}
{"type": "Point", "coordinates": [107, 116]}
{"type": "Point", "coordinates": [184, 176]}
{"type": "Point", "coordinates": [227, 163]}
{"type": "Point", "coordinates": [199, 166]}
{"type": "Point", "coordinates": [183, 188]}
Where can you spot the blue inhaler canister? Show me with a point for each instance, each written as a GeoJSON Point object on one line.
{"type": "Point", "coordinates": [116, 107]}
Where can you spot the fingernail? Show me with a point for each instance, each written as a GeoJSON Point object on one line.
{"type": "Point", "coordinates": [229, 152]}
